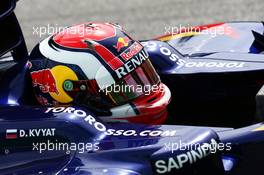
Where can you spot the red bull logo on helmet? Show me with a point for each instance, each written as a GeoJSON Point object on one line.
{"type": "Point", "coordinates": [121, 43]}
{"type": "Point", "coordinates": [133, 50]}
{"type": "Point", "coordinates": [132, 64]}
{"type": "Point", "coordinates": [45, 80]}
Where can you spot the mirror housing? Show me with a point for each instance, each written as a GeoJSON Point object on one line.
{"type": "Point", "coordinates": [12, 39]}
{"type": "Point", "coordinates": [6, 8]}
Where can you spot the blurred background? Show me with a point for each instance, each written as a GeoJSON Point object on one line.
{"type": "Point", "coordinates": [142, 19]}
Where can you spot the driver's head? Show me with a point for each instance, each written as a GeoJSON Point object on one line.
{"type": "Point", "coordinates": [99, 66]}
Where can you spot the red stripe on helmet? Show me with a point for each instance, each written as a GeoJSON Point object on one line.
{"type": "Point", "coordinates": [113, 61]}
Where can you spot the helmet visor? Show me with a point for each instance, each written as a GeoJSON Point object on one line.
{"type": "Point", "coordinates": [142, 81]}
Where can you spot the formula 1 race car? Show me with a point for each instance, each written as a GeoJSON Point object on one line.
{"type": "Point", "coordinates": [72, 140]}
{"type": "Point", "coordinates": [211, 82]}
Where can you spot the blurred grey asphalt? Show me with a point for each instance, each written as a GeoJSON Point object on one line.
{"type": "Point", "coordinates": [143, 19]}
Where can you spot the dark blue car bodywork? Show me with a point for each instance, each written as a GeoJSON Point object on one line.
{"type": "Point", "coordinates": [29, 134]}
{"type": "Point", "coordinates": [121, 148]}
{"type": "Point", "coordinates": [215, 75]}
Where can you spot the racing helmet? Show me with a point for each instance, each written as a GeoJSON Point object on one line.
{"type": "Point", "coordinates": [99, 66]}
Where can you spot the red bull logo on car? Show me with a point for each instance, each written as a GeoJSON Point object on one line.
{"type": "Point", "coordinates": [121, 43]}
{"type": "Point", "coordinates": [45, 80]}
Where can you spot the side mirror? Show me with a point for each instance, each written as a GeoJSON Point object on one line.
{"type": "Point", "coordinates": [6, 8]}
{"type": "Point", "coordinates": [12, 39]}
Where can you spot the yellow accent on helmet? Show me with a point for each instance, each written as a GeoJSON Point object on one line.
{"type": "Point", "coordinates": [61, 74]}
{"type": "Point", "coordinates": [122, 40]}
